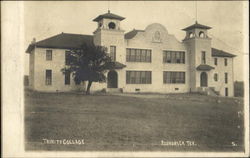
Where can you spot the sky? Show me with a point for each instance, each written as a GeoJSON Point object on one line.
{"type": "Point", "coordinates": [46, 19]}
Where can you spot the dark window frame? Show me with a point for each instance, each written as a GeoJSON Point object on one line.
{"type": "Point", "coordinates": [215, 61]}
{"type": "Point", "coordinates": [174, 57]}
{"type": "Point", "coordinates": [113, 53]}
{"type": "Point", "coordinates": [49, 54]}
{"type": "Point", "coordinates": [203, 57]}
{"type": "Point", "coordinates": [216, 77]}
{"type": "Point", "coordinates": [138, 77]}
{"type": "Point", "coordinates": [138, 55]}
{"type": "Point", "coordinates": [67, 77]}
{"type": "Point", "coordinates": [174, 77]}
{"type": "Point", "coordinates": [226, 77]}
{"type": "Point", "coordinates": [226, 91]}
{"type": "Point", "coordinates": [112, 25]}
{"type": "Point", "coordinates": [48, 77]}
{"type": "Point", "coordinates": [67, 57]}
{"type": "Point", "coordinates": [225, 61]}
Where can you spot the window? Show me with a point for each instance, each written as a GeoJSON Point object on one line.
{"type": "Point", "coordinates": [191, 35]}
{"type": "Point", "coordinates": [67, 57]}
{"type": "Point", "coordinates": [148, 56]}
{"type": "Point", "coordinates": [226, 91]}
{"type": "Point", "coordinates": [113, 53]}
{"type": "Point", "coordinates": [143, 55]}
{"type": "Point", "coordinates": [48, 77]}
{"type": "Point", "coordinates": [48, 54]}
{"type": "Point", "coordinates": [138, 55]}
{"type": "Point", "coordinates": [203, 57]}
{"type": "Point", "coordinates": [216, 77]}
{"type": "Point", "coordinates": [138, 77]}
{"type": "Point", "coordinates": [215, 61]}
{"type": "Point", "coordinates": [174, 57]}
{"type": "Point", "coordinates": [226, 77]}
{"type": "Point", "coordinates": [201, 34]}
{"type": "Point", "coordinates": [67, 78]}
{"type": "Point", "coordinates": [173, 77]}
{"type": "Point", "coordinates": [111, 25]}
{"type": "Point", "coordinates": [225, 62]}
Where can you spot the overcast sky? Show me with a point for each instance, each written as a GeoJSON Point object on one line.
{"type": "Point", "coordinates": [45, 19]}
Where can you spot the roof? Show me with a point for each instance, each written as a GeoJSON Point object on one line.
{"type": "Point", "coordinates": [108, 16]}
{"type": "Point", "coordinates": [196, 25]}
{"type": "Point", "coordinates": [221, 53]}
{"type": "Point", "coordinates": [204, 67]}
{"type": "Point", "coordinates": [132, 33]}
{"type": "Point", "coordinates": [63, 41]}
{"type": "Point", "coordinates": [115, 65]}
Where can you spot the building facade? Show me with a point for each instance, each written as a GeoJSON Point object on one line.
{"type": "Point", "coordinates": [151, 60]}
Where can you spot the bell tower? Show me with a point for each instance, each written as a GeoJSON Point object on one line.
{"type": "Point", "coordinates": [198, 45]}
{"type": "Point", "coordinates": [110, 35]}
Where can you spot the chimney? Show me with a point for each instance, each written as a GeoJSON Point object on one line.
{"type": "Point", "coordinates": [33, 41]}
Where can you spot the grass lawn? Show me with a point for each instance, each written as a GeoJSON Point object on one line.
{"type": "Point", "coordinates": [125, 123]}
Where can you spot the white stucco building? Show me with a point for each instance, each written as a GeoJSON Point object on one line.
{"type": "Point", "coordinates": [149, 60]}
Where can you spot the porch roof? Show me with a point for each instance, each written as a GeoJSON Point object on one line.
{"type": "Point", "coordinates": [115, 65]}
{"type": "Point", "coordinates": [204, 67]}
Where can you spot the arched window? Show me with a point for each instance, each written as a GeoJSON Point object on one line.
{"type": "Point", "coordinates": [201, 34]}
{"type": "Point", "coordinates": [191, 35]}
{"type": "Point", "coordinates": [111, 25]}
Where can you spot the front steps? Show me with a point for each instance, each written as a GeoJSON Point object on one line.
{"type": "Point", "coordinates": [208, 91]}
{"type": "Point", "coordinates": [114, 90]}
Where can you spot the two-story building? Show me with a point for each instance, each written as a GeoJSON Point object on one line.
{"type": "Point", "coordinates": [149, 60]}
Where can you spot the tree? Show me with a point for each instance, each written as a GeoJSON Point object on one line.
{"type": "Point", "coordinates": [87, 63]}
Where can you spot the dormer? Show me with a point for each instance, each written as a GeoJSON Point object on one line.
{"type": "Point", "coordinates": [196, 31]}
{"type": "Point", "coordinates": [108, 21]}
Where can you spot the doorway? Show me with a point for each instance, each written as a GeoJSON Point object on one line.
{"type": "Point", "coordinates": [203, 80]}
{"type": "Point", "coordinates": [112, 79]}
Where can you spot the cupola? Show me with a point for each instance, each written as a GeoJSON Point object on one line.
{"type": "Point", "coordinates": [196, 31]}
{"type": "Point", "coordinates": [109, 21]}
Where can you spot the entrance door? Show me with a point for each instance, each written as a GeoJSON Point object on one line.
{"type": "Point", "coordinates": [203, 79]}
{"type": "Point", "coordinates": [112, 79]}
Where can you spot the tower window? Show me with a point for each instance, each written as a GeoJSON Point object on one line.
{"type": "Point", "coordinates": [226, 77]}
{"type": "Point", "coordinates": [191, 35]}
{"type": "Point", "coordinates": [225, 62]}
{"type": "Point", "coordinates": [202, 34]}
{"type": "Point", "coordinates": [113, 53]}
{"type": "Point", "coordinates": [111, 25]}
{"type": "Point", "coordinates": [216, 77]}
{"type": "Point", "coordinates": [226, 92]}
{"type": "Point", "coordinates": [203, 57]}
{"type": "Point", "coordinates": [215, 61]}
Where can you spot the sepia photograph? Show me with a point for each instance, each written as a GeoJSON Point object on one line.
{"type": "Point", "coordinates": [128, 78]}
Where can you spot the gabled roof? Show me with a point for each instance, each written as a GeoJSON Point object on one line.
{"type": "Point", "coordinates": [204, 67]}
{"type": "Point", "coordinates": [196, 25]}
{"type": "Point", "coordinates": [132, 34]}
{"type": "Point", "coordinates": [63, 41]}
{"type": "Point", "coordinates": [221, 53]}
{"type": "Point", "coordinates": [108, 16]}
